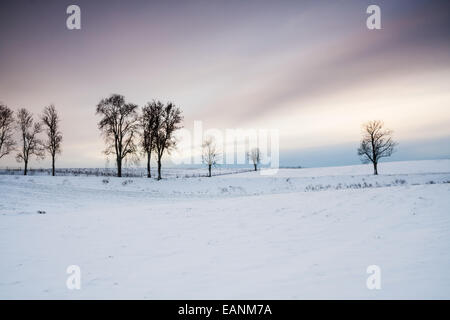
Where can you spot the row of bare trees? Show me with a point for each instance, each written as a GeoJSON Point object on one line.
{"type": "Point", "coordinates": [376, 143]}
{"type": "Point", "coordinates": [30, 144]}
{"type": "Point", "coordinates": [126, 132]}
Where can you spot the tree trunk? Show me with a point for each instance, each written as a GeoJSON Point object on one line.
{"type": "Point", "coordinates": [159, 168]}
{"type": "Point", "coordinates": [25, 168]}
{"type": "Point", "coordinates": [149, 175]}
{"type": "Point", "coordinates": [375, 168]}
{"type": "Point", "coordinates": [53, 166]}
{"type": "Point", "coordinates": [255, 166]}
{"type": "Point", "coordinates": [209, 169]}
{"type": "Point", "coordinates": [119, 168]}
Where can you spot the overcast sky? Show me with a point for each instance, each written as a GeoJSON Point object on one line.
{"type": "Point", "coordinates": [310, 69]}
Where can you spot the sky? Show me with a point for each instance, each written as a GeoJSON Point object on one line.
{"type": "Point", "coordinates": [310, 69]}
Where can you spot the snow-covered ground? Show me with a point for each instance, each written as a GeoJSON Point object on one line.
{"type": "Point", "coordinates": [167, 172]}
{"type": "Point", "coordinates": [303, 233]}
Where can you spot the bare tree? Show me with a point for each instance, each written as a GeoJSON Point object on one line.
{"type": "Point", "coordinates": [119, 126]}
{"type": "Point", "coordinates": [50, 119]}
{"type": "Point", "coordinates": [7, 143]}
{"type": "Point", "coordinates": [31, 144]}
{"type": "Point", "coordinates": [376, 143]}
{"type": "Point", "coordinates": [255, 156]}
{"type": "Point", "coordinates": [150, 124]}
{"type": "Point", "coordinates": [210, 154]}
{"type": "Point", "coordinates": [170, 119]}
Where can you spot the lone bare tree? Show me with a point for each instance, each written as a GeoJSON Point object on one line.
{"type": "Point", "coordinates": [150, 124]}
{"type": "Point", "coordinates": [255, 156]}
{"type": "Point", "coordinates": [119, 126]}
{"type": "Point", "coordinates": [376, 143]}
{"type": "Point", "coordinates": [210, 154]}
{"type": "Point", "coordinates": [50, 119]}
{"type": "Point", "coordinates": [31, 144]}
{"type": "Point", "coordinates": [170, 119]}
{"type": "Point", "coordinates": [7, 143]}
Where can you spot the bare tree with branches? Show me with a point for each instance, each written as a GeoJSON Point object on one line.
{"type": "Point", "coordinates": [376, 143]}
{"type": "Point", "coordinates": [210, 154]}
{"type": "Point", "coordinates": [170, 120]}
{"type": "Point", "coordinates": [7, 143]}
{"type": "Point", "coordinates": [31, 144]}
{"type": "Point", "coordinates": [119, 126]}
{"type": "Point", "coordinates": [150, 124]}
{"type": "Point", "coordinates": [50, 119]}
{"type": "Point", "coordinates": [255, 156]}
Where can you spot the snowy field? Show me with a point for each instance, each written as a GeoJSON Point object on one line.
{"type": "Point", "coordinates": [300, 234]}
{"type": "Point", "coordinates": [131, 172]}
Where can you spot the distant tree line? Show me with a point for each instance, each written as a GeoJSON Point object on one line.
{"type": "Point", "coordinates": [30, 143]}
{"type": "Point", "coordinates": [129, 132]}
